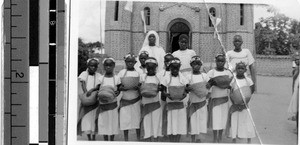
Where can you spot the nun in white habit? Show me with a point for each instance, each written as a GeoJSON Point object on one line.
{"type": "Point", "coordinates": [151, 45]}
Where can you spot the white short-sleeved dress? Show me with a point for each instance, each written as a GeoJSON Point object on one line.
{"type": "Point", "coordinates": [130, 115]}
{"type": "Point", "coordinates": [108, 121]}
{"type": "Point", "coordinates": [198, 119]}
{"type": "Point", "coordinates": [177, 118]}
{"type": "Point", "coordinates": [235, 57]}
{"type": "Point", "coordinates": [185, 57]}
{"type": "Point", "coordinates": [241, 125]}
{"type": "Point", "coordinates": [220, 112]}
{"type": "Point", "coordinates": [88, 120]}
{"type": "Point", "coordinates": [152, 122]}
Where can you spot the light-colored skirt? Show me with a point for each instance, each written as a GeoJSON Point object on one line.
{"type": "Point", "coordinates": [88, 122]}
{"type": "Point", "coordinates": [130, 116]}
{"type": "Point", "coordinates": [198, 121]}
{"type": "Point", "coordinates": [108, 122]}
{"type": "Point", "coordinates": [219, 116]}
{"type": "Point", "coordinates": [294, 103]}
{"type": "Point", "coordinates": [152, 123]}
{"type": "Point", "coordinates": [177, 119]}
{"type": "Point", "coordinates": [241, 125]}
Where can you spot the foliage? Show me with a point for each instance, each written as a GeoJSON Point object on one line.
{"type": "Point", "coordinates": [85, 50]}
{"type": "Point", "coordinates": [274, 34]}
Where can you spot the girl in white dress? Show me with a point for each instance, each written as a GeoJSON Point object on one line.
{"type": "Point", "coordinates": [184, 54]}
{"type": "Point", "coordinates": [219, 105]}
{"type": "Point", "coordinates": [197, 109]}
{"type": "Point", "coordinates": [176, 107]}
{"type": "Point", "coordinates": [89, 83]}
{"type": "Point", "coordinates": [239, 118]}
{"type": "Point", "coordinates": [130, 112]}
{"type": "Point", "coordinates": [165, 72]}
{"type": "Point", "coordinates": [151, 104]}
{"type": "Point", "coordinates": [107, 113]}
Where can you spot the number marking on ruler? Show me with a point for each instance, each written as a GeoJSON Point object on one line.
{"type": "Point", "coordinates": [16, 107]}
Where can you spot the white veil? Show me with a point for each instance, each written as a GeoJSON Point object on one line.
{"type": "Point", "coordinates": [157, 52]}
{"type": "Point", "coordinates": [146, 41]}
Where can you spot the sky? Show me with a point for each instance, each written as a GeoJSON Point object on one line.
{"type": "Point", "coordinates": [89, 15]}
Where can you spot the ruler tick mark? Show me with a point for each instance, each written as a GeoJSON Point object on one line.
{"type": "Point", "coordinates": [13, 48]}
{"type": "Point", "coordinates": [16, 59]}
{"type": "Point", "coordinates": [18, 37]}
{"type": "Point", "coordinates": [14, 26]}
{"type": "Point", "coordinates": [6, 112]}
{"type": "Point", "coordinates": [16, 15]}
{"type": "Point", "coordinates": [13, 93]}
{"type": "Point", "coordinates": [8, 78]}
{"type": "Point", "coordinates": [18, 126]}
{"type": "Point", "coordinates": [7, 8]}
{"type": "Point", "coordinates": [25, 82]}
{"type": "Point", "coordinates": [16, 104]}
{"type": "Point", "coordinates": [7, 43]}
{"type": "Point", "coordinates": [13, 4]}
{"type": "Point", "coordinates": [13, 115]}
{"type": "Point", "coordinates": [13, 137]}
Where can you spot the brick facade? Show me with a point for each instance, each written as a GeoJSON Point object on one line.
{"type": "Point", "coordinates": [164, 14]}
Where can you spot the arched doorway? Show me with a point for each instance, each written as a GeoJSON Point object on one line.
{"type": "Point", "coordinates": [176, 28]}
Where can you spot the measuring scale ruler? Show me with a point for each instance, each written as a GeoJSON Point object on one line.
{"type": "Point", "coordinates": [16, 75]}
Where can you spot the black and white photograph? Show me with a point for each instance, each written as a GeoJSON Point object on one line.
{"type": "Point", "coordinates": [206, 71]}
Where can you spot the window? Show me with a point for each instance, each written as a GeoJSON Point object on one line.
{"type": "Point", "coordinates": [147, 15]}
{"type": "Point", "coordinates": [242, 14]}
{"type": "Point", "coordinates": [116, 16]}
{"type": "Point", "coordinates": [212, 11]}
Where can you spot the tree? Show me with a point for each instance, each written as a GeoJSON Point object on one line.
{"type": "Point", "coordinates": [273, 34]}
{"type": "Point", "coordinates": [295, 27]}
{"type": "Point", "coordinates": [83, 56]}
{"type": "Point", "coordinates": [85, 51]}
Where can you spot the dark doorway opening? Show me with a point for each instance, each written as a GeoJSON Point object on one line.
{"type": "Point", "coordinates": [176, 30]}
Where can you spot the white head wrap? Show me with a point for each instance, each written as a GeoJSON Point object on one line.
{"type": "Point", "coordinates": [175, 61]}
{"type": "Point", "coordinates": [196, 58]}
{"type": "Point", "coordinates": [109, 58]}
{"type": "Point", "coordinates": [129, 55]}
{"type": "Point", "coordinates": [96, 59]}
{"type": "Point", "coordinates": [146, 41]}
{"type": "Point", "coordinates": [151, 60]}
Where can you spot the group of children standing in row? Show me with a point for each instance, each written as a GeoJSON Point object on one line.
{"type": "Point", "coordinates": [176, 100]}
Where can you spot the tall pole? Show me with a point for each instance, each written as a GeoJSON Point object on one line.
{"type": "Point", "coordinates": [101, 42]}
{"type": "Point", "coordinates": [131, 30]}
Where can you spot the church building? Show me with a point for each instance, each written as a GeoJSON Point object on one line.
{"type": "Point", "coordinates": [124, 30]}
